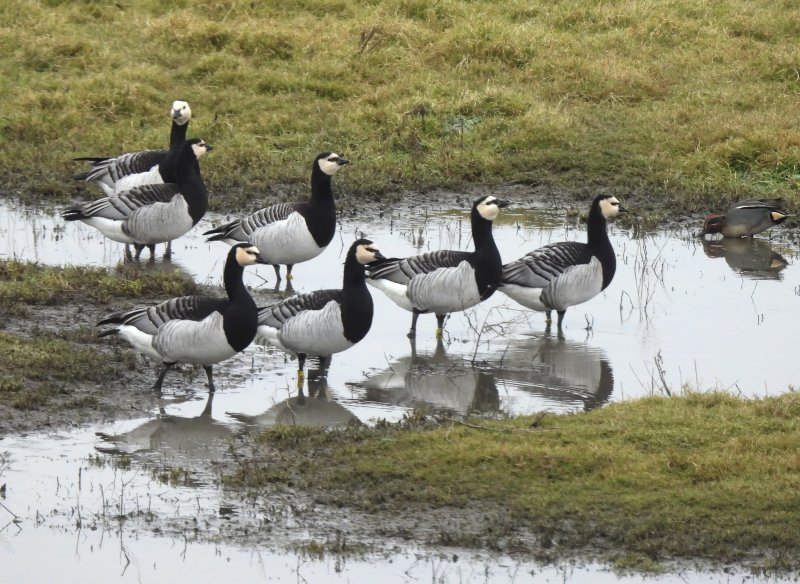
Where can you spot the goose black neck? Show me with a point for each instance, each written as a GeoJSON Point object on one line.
{"type": "Point", "coordinates": [232, 277]}
{"type": "Point", "coordinates": [488, 265]}
{"type": "Point", "coordinates": [320, 210]}
{"type": "Point", "coordinates": [357, 308]}
{"type": "Point", "coordinates": [177, 134]}
{"type": "Point", "coordinates": [193, 189]}
{"type": "Point", "coordinates": [597, 239]}
{"type": "Point", "coordinates": [320, 185]}
{"type": "Point", "coordinates": [240, 318]}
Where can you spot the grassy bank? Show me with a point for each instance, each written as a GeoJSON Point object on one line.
{"type": "Point", "coordinates": [50, 357]}
{"type": "Point", "coordinates": [684, 102]}
{"type": "Point", "coordinates": [704, 476]}
{"type": "Point", "coordinates": [25, 283]}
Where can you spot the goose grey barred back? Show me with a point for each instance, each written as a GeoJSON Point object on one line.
{"type": "Point", "coordinates": [747, 218]}
{"type": "Point", "coordinates": [291, 233]}
{"type": "Point", "coordinates": [445, 281]}
{"type": "Point", "coordinates": [560, 275]}
{"type": "Point", "coordinates": [115, 173]}
{"type": "Point", "coordinates": [323, 322]}
{"type": "Point", "coordinates": [151, 214]}
{"type": "Point", "coordinates": [202, 330]}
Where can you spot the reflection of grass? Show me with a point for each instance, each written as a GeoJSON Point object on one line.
{"type": "Point", "coordinates": [692, 101]}
{"type": "Point", "coordinates": [699, 476]}
{"type": "Point", "coordinates": [30, 283]}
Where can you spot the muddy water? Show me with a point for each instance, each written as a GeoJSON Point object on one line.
{"type": "Point", "coordinates": [679, 312]}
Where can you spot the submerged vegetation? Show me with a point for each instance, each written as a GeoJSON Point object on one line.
{"type": "Point", "coordinates": [706, 476]}
{"type": "Point", "coordinates": [691, 102]}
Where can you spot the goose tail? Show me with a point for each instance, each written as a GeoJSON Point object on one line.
{"type": "Point", "coordinates": [73, 215]}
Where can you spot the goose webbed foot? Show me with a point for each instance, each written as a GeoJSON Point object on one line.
{"type": "Point", "coordinates": [210, 375]}
{"type": "Point", "coordinates": [440, 318]}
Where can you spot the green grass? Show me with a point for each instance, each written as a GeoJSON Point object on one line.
{"type": "Point", "coordinates": [705, 476]}
{"type": "Point", "coordinates": [23, 283]}
{"type": "Point", "coordinates": [35, 371]}
{"type": "Point", "coordinates": [684, 103]}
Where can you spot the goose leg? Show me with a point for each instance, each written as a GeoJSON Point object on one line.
{"type": "Point", "coordinates": [301, 363]}
{"type": "Point", "coordinates": [138, 247]}
{"type": "Point", "coordinates": [440, 326]}
{"type": "Point", "coordinates": [548, 317]}
{"type": "Point", "coordinates": [277, 272]}
{"type": "Point", "coordinates": [289, 271]}
{"type": "Point", "coordinates": [168, 252]}
{"type": "Point", "coordinates": [152, 248]}
{"type": "Point", "coordinates": [160, 380]}
{"type": "Point", "coordinates": [210, 375]}
{"type": "Point", "coordinates": [413, 332]}
{"type": "Point", "coordinates": [561, 314]}
{"type": "Point", "coordinates": [128, 255]}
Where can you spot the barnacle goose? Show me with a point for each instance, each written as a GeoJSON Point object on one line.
{"type": "Point", "coordinates": [195, 329]}
{"type": "Point", "coordinates": [115, 174]}
{"type": "Point", "coordinates": [323, 322]}
{"type": "Point", "coordinates": [290, 233]}
{"type": "Point", "coordinates": [151, 214]}
{"type": "Point", "coordinates": [747, 218]}
{"type": "Point", "coordinates": [560, 275]}
{"type": "Point", "coordinates": [445, 281]}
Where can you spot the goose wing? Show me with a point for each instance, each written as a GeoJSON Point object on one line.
{"type": "Point", "coordinates": [242, 229]}
{"type": "Point", "coordinates": [403, 270]}
{"type": "Point", "coordinates": [538, 268]}
{"type": "Point", "coordinates": [149, 319]}
{"type": "Point", "coordinates": [120, 206]}
{"type": "Point", "coordinates": [118, 166]}
{"type": "Point", "coordinates": [276, 315]}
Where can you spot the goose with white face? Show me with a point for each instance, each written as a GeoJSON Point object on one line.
{"type": "Point", "coordinates": [331, 163]}
{"type": "Point", "coordinates": [489, 208]}
{"type": "Point", "coordinates": [248, 256]}
{"type": "Point", "coordinates": [367, 254]}
{"type": "Point", "coordinates": [181, 112]}
{"type": "Point", "coordinates": [611, 207]}
{"type": "Point", "coordinates": [201, 149]}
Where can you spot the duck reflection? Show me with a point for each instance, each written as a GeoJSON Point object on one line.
{"type": "Point", "coordinates": [197, 438]}
{"type": "Point", "coordinates": [564, 374]}
{"type": "Point", "coordinates": [315, 409]}
{"type": "Point", "coordinates": [447, 382]}
{"type": "Point", "coordinates": [750, 257]}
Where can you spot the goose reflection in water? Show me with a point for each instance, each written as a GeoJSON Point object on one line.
{"type": "Point", "coordinates": [198, 438]}
{"type": "Point", "coordinates": [316, 409]}
{"type": "Point", "coordinates": [562, 373]}
{"type": "Point", "coordinates": [444, 381]}
{"type": "Point", "coordinates": [751, 257]}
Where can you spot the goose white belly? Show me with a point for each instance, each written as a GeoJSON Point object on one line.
{"type": "Point", "coordinates": [528, 297]}
{"type": "Point", "coordinates": [151, 177]}
{"type": "Point", "coordinates": [575, 285]}
{"type": "Point", "coordinates": [394, 291]}
{"type": "Point", "coordinates": [111, 228]}
{"type": "Point", "coordinates": [445, 290]}
{"type": "Point", "coordinates": [188, 341]}
{"type": "Point", "coordinates": [159, 222]}
{"type": "Point", "coordinates": [286, 242]}
{"type": "Point", "coordinates": [141, 341]}
{"type": "Point", "coordinates": [315, 332]}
